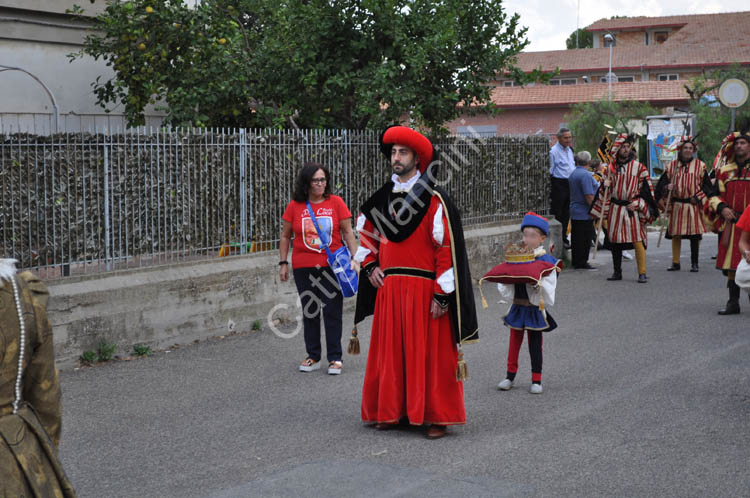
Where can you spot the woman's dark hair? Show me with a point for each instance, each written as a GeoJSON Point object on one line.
{"type": "Point", "coordinates": [304, 177]}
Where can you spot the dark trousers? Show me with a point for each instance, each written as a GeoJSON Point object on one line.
{"type": "Point", "coordinates": [560, 202]}
{"type": "Point", "coordinates": [581, 234]}
{"type": "Point", "coordinates": [320, 295]}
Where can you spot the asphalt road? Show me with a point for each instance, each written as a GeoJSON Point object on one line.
{"type": "Point", "coordinates": [647, 393]}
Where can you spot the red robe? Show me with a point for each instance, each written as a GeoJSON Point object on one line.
{"type": "Point", "coordinates": [733, 190]}
{"type": "Point", "coordinates": [411, 365]}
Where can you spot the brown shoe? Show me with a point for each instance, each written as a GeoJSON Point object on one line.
{"type": "Point", "coordinates": [382, 426]}
{"type": "Point", "coordinates": [435, 431]}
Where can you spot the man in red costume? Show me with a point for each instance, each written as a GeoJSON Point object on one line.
{"type": "Point", "coordinates": [730, 198]}
{"type": "Point", "coordinates": [418, 287]}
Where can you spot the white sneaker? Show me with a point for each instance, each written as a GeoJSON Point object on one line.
{"type": "Point", "coordinates": [334, 368]}
{"type": "Point", "coordinates": [535, 389]}
{"type": "Point", "coordinates": [627, 255]}
{"type": "Point", "coordinates": [309, 365]}
{"type": "Point", "coordinates": [505, 384]}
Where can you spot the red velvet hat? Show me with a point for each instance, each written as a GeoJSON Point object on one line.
{"type": "Point", "coordinates": [417, 142]}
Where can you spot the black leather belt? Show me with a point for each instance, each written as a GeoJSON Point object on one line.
{"type": "Point", "coordinates": [410, 272]}
{"type": "Point", "coordinates": [620, 202]}
{"type": "Point", "coordinates": [677, 199]}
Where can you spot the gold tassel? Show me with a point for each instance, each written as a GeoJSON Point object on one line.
{"type": "Point", "coordinates": [481, 292]}
{"type": "Point", "coordinates": [353, 348]}
{"type": "Point", "coordinates": [462, 371]}
{"type": "Point", "coordinates": [541, 304]}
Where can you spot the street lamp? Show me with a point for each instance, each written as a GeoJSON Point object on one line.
{"type": "Point", "coordinates": [609, 40]}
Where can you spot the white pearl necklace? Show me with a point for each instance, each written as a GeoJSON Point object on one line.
{"type": "Point", "coordinates": [22, 346]}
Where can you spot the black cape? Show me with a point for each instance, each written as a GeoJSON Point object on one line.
{"type": "Point", "coordinates": [376, 210]}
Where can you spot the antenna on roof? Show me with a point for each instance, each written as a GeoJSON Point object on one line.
{"type": "Point", "coordinates": [578, 21]}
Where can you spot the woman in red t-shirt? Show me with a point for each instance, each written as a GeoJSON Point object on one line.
{"type": "Point", "coordinates": [317, 285]}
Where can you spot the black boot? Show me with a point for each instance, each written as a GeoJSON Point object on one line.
{"type": "Point", "coordinates": [642, 278]}
{"type": "Point", "coordinates": [674, 267]}
{"type": "Point", "coordinates": [694, 245]}
{"type": "Point", "coordinates": [733, 305]}
{"type": "Point", "coordinates": [617, 263]}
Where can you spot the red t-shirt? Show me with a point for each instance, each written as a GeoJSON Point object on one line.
{"type": "Point", "coordinates": [744, 222]}
{"type": "Point", "coordinates": [307, 251]}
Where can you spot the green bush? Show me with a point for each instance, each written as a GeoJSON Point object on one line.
{"type": "Point", "coordinates": [142, 350]}
{"type": "Point", "coordinates": [106, 351]}
{"type": "Point", "coordinates": [88, 358]}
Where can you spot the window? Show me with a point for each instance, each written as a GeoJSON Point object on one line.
{"type": "Point", "coordinates": [477, 131]}
{"type": "Point", "coordinates": [508, 83]}
{"type": "Point", "coordinates": [625, 79]}
{"type": "Point", "coordinates": [661, 36]}
{"type": "Point", "coordinates": [668, 77]}
{"type": "Point", "coordinates": [564, 81]}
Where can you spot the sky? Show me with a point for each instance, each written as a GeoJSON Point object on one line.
{"type": "Point", "coordinates": [550, 22]}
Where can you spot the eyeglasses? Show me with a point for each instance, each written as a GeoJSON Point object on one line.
{"type": "Point", "coordinates": [319, 181]}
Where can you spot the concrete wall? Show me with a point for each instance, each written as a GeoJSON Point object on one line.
{"type": "Point", "coordinates": [192, 301]}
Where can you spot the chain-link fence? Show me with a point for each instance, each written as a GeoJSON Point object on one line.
{"type": "Point", "coordinates": [92, 202]}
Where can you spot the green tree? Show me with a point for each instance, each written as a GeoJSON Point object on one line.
{"type": "Point", "coordinates": [304, 63]}
{"type": "Point", "coordinates": [713, 120]}
{"type": "Point", "coordinates": [588, 121]}
{"type": "Point", "coordinates": [585, 39]}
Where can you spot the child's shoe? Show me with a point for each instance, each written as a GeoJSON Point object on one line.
{"type": "Point", "coordinates": [535, 389]}
{"type": "Point", "coordinates": [505, 384]}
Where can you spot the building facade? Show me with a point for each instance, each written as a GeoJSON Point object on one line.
{"type": "Point", "coordinates": [37, 36]}
{"type": "Point", "coordinates": [652, 60]}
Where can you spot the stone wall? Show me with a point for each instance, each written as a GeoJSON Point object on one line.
{"type": "Point", "coordinates": [182, 303]}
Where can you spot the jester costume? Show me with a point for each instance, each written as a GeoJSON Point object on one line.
{"type": "Point", "coordinates": [731, 190]}
{"type": "Point", "coordinates": [30, 410]}
{"type": "Point", "coordinates": [413, 233]}
{"type": "Point", "coordinates": [630, 183]}
{"type": "Point", "coordinates": [691, 187]}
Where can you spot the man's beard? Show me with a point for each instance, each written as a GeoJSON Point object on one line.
{"type": "Point", "coordinates": [685, 160]}
{"type": "Point", "coordinates": [405, 169]}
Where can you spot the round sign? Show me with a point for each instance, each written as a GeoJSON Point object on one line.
{"type": "Point", "coordinates": [733, 92]}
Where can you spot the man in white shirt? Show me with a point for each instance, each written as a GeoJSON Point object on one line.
{"type": "Point", "coordinates": [561, 166]}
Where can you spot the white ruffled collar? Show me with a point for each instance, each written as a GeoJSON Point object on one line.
{"type": "Point", "coordinates": [398, 186]}
{"type": "Point", "coordinates": [7, 268]}
{"type": "Point", "coordinates": [539, 252]}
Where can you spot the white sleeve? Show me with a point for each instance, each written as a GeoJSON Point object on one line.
{"type": "Point", "coordinates": [362, 251]}
{"type": "Point", "coordinates": [447, 281]}
{"type": "Point", "coordinates": [508, 291]}
{"type": "Point", "coordinates": [545, 289]}
{"type": "Point", "coordinates": [548, 285]}
{"type": "Point", "coordinates": [438, 230]}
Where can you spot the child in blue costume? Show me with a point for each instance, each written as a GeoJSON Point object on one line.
{"type": "Point", "coordinates": [525, 312]}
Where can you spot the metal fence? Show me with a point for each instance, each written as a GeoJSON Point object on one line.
{"type": "Point", "coordinates": [92, 202]}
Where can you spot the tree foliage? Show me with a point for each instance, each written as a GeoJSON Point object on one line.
{"type": "Point", "coordinates": [585, 39]}
{"type": "Point", "coordinates": [304, 63]}
{"type": "Point", "coordinates": [713, 120]}
{"type": "Point", "coordinates": [587, 120]}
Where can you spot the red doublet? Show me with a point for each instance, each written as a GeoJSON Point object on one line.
{"type": "Point", "coordinates": [734, 191]}
{"type": "Point", "coordinates": [411, 365]}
